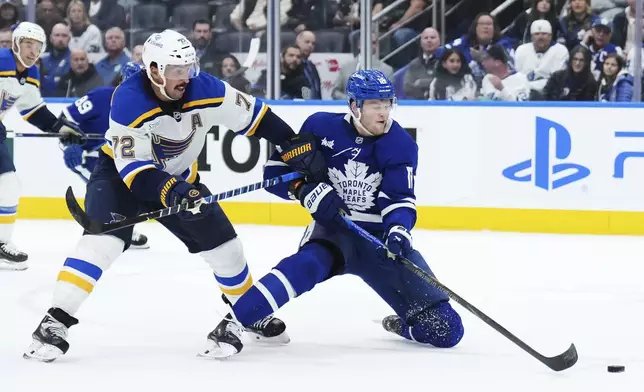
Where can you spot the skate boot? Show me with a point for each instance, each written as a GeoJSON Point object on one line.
{"type": "Point", "coordinates": [270, 329]}
{"type": "Point", "coordinates": [11, 258]}
{"type": "Point", "coordinates": [139, 241]}
{"type": "Point", "coordinates": [225, 340]}
{"type": "Point", "coordinates": [50, 337]}
{"type": "Point", "coordinates": [392, 324]}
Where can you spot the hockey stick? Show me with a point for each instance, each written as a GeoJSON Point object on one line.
{"type": "Point", "coordinates": [250, 59]}
{"type": "Point", "coordinates": [92, 136]}
{"type": "Point", "coordinates": [558, 363]}
{"type": "Point", "coordinates": [97, 227]}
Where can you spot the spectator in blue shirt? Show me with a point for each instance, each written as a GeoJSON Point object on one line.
{"type": "Point", "coordinates": [56, 64]}
{"type": "Point", "coordinates": [111, 65]}
{"type": "Point", "coordinates": [615, 84]}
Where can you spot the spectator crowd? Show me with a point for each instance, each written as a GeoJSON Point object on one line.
{"type": "Point", "coordinates": [555, 50]}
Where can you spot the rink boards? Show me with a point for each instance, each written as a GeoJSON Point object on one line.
{"type": "Point", "coordinates": [533, 167]}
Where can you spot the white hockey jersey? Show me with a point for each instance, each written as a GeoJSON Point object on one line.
{"type": "Point", "coordinates": [144, 136]}
{"type": "Point", "coordinates": [539, 66]}
{"type": "Point", "coordinates": [515, 88]}
{"type": "Point", "coordinates": [22, 90]}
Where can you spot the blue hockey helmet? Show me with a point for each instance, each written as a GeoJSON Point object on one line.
{"type": "Point", "coordinates": [129, 69]}
{"type": "Point", "coordinates": [369, 84]}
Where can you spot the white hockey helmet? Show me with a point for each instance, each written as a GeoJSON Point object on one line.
{"type": "Point", "coordinates": [173, 55]}
{"type": "Point", "coordinates": [28, 30]}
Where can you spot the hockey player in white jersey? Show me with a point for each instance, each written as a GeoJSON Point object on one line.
{"type": "Point", "coordinates": [502, 83]}
{"type": "Point", "coordinates": [20, 86]}
{"type": "Point", "coordinates": [158, 122]}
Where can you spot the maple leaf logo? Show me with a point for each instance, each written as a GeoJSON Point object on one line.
{"type": "Point", "coordinates": [355, 186]}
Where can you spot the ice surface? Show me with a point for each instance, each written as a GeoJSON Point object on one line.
{"type": "Point", "coordinates": [148, 317]}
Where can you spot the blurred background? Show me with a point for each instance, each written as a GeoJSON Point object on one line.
{"type": "Point", "coordinates": [553, 50]}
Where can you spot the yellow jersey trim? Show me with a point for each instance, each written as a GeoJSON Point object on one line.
{"type": "Point", "coordinates": [7, 73]}
{"type": "Point", "coordinates": [201, 102]}
{"type": "Point", "coordinates": [107, 150]}
{"type": "Point", "coordinates": [193, 173]}
{"type": "Point", "coordinates": [144, 117]}
{"type": "Point", "coordinates": [251, 131]}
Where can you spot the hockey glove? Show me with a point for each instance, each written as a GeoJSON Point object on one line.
{"type": "Point", "coordinates": [399, 241]}
{"type": "Point", "coordinates": [302, 153]}
{"type": "Point", "coordinates": [177, 191]}
{"type": "Point", "coordinates": [72, 134]}
{"type": "Point", "coordinates": [73, 156]}
{"type": "Point", "coordinates": [324, 204]}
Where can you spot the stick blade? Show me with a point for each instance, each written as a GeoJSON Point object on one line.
{"type": "Point", "coordinates": [252, 52]}
{"type": "Point", "coordinates": [563, 361]}
{"type": "Point", "coordinates": [79, 214]}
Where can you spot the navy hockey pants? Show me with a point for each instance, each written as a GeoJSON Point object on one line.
{"type": "Point", "coordinates": [108, 199]}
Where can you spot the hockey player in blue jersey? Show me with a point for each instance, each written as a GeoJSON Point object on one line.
{"type": "Point", "coordinates": [20, 86]}
{"type": "Point", "coordinates": [92, 114]}
{"type": "Point", "coordinates": [372, 165]}
{"type": "Point", "coordinates": [159, 120]}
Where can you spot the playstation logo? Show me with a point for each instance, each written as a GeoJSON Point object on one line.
{"type": "Point", "coordinates": [546, 174]}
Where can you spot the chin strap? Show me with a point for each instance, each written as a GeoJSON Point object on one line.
{"type": "Point", "coordinates": [161, 86]}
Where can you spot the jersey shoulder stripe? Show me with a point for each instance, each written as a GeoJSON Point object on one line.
{"type": "Point", "coordinates": [131, 104]}
{"type": "Point", "coordinates": [204, 91]}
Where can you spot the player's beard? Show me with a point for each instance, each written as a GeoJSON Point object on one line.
{"type": "Point", "coordinates": [178, 91]}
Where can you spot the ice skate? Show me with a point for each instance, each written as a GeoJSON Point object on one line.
{"type": "Point", "coordinates": [270, 329]}
{"type": "Point", "coordinates": [392, 324]}
{"type": "Point", "coordinates": [225, 340]}
{"type": "Point", "coordinates": [139, 241]}
{"type": "Point", "coordinates": [11, 258]}
{"type": "Point", "coordinates": [50, 337]}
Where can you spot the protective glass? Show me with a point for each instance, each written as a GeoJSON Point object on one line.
{"type": "Point", "coordinates": [181, 72]}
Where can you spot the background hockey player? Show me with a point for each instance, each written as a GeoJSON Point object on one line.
{"type": "Point", "coordinates": [20, 86]}
{"type": "Point", "coordinates": [372, 164]}
{"type": "Point", "coordinates": [158, 122]}
{"type": "Point", "coordinates": [92, 114]}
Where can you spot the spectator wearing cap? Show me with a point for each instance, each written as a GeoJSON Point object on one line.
{"type": "Point", "coordinates": [501, 83]}
{"type": "Point", "coordinates": [483, 33]}
{"type": "Point", "coordinates": [624, 28]}
{"type": "Point", "coordinates": [420, 72]}
{"type": "Point", "coordinates": [540, 58]}
{"type": "Point", "coordinates": [597, 41]}
{"type": "Point", "coordinates": [56, 64]}
{"type": "Point", "coordinates": [579, 19]}
{"type": "Point", "coordinates": [576, 82]}
{"type": "Point", "coordinates": [520, 29]}
{"type": "Point", "coordinates": [615, 84]}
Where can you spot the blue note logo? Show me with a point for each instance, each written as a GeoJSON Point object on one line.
{"type": "Point", "coordinates": [546, 174]}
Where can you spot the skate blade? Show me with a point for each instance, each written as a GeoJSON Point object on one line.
{"type": "Point", "coordinates": [139, 247]}
{"type": "Point", "coordinates": [280, 339]}
{"type": "Point", "coordinates": [6, 265]}
{"type": "Point", "coordinates": [218, 351]}
{"type": "Point", "coordinates": [42, 352]}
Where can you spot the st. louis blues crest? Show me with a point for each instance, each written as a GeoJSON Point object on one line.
{"type": "Point", "coordinates": [7, 101]}
{"type": "Point", "coordinates": [164, 149]}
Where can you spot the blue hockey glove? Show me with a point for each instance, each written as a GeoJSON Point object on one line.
{"type": "Point", "coordinates": [302, 153]}
{"type": "Point", "coordinates": [177, 191]}
{"type": "Point", "coordinates": [73, 156]}
{"type": "Point", "coordinates": [399, 241]}
{"type": "Point", "coordinates": [324, 204]}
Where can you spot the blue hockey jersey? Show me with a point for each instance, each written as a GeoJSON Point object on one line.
{"type": "Point", "coordinates": [599, 56]}
{"type": "Point", "coordinates": [92, 114]}
{"type": "Point", "coordinates": [373, 175]}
